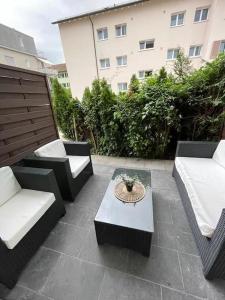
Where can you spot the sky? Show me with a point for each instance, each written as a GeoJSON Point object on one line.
{"type": "Point", "coordinates": [34, 17]}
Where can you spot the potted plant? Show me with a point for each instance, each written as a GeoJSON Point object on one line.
{"type": "Point", "coordinates": [129, 182]}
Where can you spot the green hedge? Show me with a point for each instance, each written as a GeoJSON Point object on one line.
{"type": "Point", "coordinates": [148, 120]}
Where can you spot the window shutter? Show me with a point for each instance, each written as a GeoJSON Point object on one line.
{"type": "Point", "coordinates": [215, 49]}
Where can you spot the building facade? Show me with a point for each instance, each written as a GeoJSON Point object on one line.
{"type": "Point", "coordinates": [139, 38]}
{"type": "Point", "coordinates": [62, 75]}
{"type": "Point", "coordinates": [19, 50]}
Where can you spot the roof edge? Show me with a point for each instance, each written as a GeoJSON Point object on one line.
{"type": "Point", "coordinates": [102, 10]}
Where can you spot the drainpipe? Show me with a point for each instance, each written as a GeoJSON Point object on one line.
{"type": "Point", "coordinates": [93, 36]}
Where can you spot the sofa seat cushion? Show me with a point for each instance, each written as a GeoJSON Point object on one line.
{"type": "Point", "coordinates": [77, 164]}
{"type": "Point", "coordinates": [19, 214]}
{"type": "Point", "coordinates": [52, 149]}
{"type": "Point", "coordinates": [204, 181]}
{"type": "Point", "coordinates": [9, 185]}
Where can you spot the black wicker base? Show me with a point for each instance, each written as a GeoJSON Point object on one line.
{"type": "Point", "coordinates": [12, 261]}
{"type": "Point", "coordinates": [212, 251]}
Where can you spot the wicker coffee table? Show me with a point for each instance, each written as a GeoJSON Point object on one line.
{"type": "Point", "coordinates": [128, 225]}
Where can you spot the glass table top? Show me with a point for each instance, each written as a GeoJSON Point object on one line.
{"type": "Point", "coordinates": [137, 215]}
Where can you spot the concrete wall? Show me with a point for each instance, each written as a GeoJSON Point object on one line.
{"type": "Point", "coordinates": [149, 20]}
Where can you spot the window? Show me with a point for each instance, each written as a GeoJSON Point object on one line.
{"type": "Point", "coordinates": [177, 19]}
{"type": "Point", "coordinates": [148, 44]}
{"type": "Point", "coordinates": [222, 46]}
{"type": "Point", "coordinates": [62, 74]}
{"type": "Point", "coordinates": [102, 34]}
{"type": "Point", "coordinates": [21, 42]}
{"type": "Point", "coordinates": [27, 63]}
{"type": "Point", "coordinates": [172, 53]}
{"type": "Point", "coordinates": [104, 63]}
{"type": "Point", "coordinates": [121, 30]}
{"type": "Point", "coordinates": [10, 60]}
{"type": "Point", "coordinates": [195, 51]}
{"type": "Point", "coordinates": [121, 60]}
{"type": "Point", "coordinates": [201, 14]}
{"type": "Point", "coordinates": [144, 74]}
{"type": "Point", "coordinates": [122, 86]}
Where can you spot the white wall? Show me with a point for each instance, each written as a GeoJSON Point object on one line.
{"type": "Point", "coordinates": [22, 60]}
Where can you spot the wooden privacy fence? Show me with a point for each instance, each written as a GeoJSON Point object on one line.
{"type": "Point", "coordinates": [26, 116]}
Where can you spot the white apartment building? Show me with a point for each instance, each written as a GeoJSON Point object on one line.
{"type": "Point", "coordinates": [62, 75]}
{"type": "Point", "coordinates": [19, 50]}
{"type": "Point", "coordinates": [139, 38]}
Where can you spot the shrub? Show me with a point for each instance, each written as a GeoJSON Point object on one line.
{"type": "Point", "coordinates": [204, 100]}
{"type": "Point", "coordinates": [68, 112]}
{"type": "Point", "coordinates": [148, 120]}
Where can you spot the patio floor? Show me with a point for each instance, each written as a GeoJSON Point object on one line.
{"type": "Point", "coordinates": [70, 264]}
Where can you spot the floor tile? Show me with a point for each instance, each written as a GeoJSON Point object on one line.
{"type": "Point", "coordinates": [179, 218]}
{"type": "Point", "coordinates": [168, 294]}
{"type": "Point", "coordinates": [106, 255]}
{"type": "Point", "coordinates": [161, 267]}
{"type": "Point", "coordinates": [66, 238]}
{"type": "Point", "coordinates": [103, 169]}
{"type": "Point", "coordinates": [162, 179]}
{"type": "Point", "coordinates": [162, 211]}
{"type": "Point", "coordinates": [216, 289]}
{"type": "Point", "coordinates": [117, 285]}
{"type": "Point", "coordinates": [170, 237]}
{"type": "Point", "coordinates": [79, 215]}
{"type": "Point", "coordinates": [74, 279]}
{"type": "Point", "coordinates": [20, 293]}
{"type": "Point", "coordinates": [168, 195]}
{"type": "Point", "coordinates": [93, 192]}
{"type": "Point", "coordinates": [194, 281]}
{"type": "Point", "coordinates": [38, 269]}
{"type": "Point", "coordinates": [186, 243]}
{"type": "Point", "coordinates": [167, 235]}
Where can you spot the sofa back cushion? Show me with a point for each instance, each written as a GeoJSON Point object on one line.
{"type": "Point", "coordinates": [219, 154]}
{"type": "Point", "coordinates": [53, 149]}
{"type": "Point", "coordinates": [9, 185]}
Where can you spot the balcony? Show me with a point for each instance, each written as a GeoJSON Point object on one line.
{"type": "Point", "coordinates": [71, 265]}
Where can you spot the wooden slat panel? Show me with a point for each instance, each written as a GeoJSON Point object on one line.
{"type": "Point", "coordinates": [21, 143]}
{"type": "Point", "coordinates": [14, 110]}
{"type": "Point", "coordinates": [12, 160]}
{"type": "Point", "coordinates": [10, 103]}
{"type": "Point", "coordinates": [24, 116]}
{"type": "Point", "coordinates": [10, 88]}
{"type": "Point", "coordinates": [17, 124]}
{"type": "Point", "coordinates": [5, 96]}
{"type": "Point", "coordinates": [24, 129]}
{"type": "Point", "coordinates": [25, 74]}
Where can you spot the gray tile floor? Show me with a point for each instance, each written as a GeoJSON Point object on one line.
{"type": "Point", "coordinates": [70, 264]}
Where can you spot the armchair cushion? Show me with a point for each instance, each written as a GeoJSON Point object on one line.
{"type": "Point", "coordinates": [9, 185]}
{"type": "Point", "coordinates": [77, 164]}
{"type": "Point", "coordinates": [52, 149]}
{"type": "Point", "coordinates": [204, 181]}
{"type": "Point", "coordinates": [20, 213]}
{"type": "Point", "coordinates": [219, 154]}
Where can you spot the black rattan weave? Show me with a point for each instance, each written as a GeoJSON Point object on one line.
{"type": "Point", "coordinates": [13, 260]}
{"type": "Point", "coordinates": [68, 185]}
{"type": "Point", "coordinates": [212, 251]}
